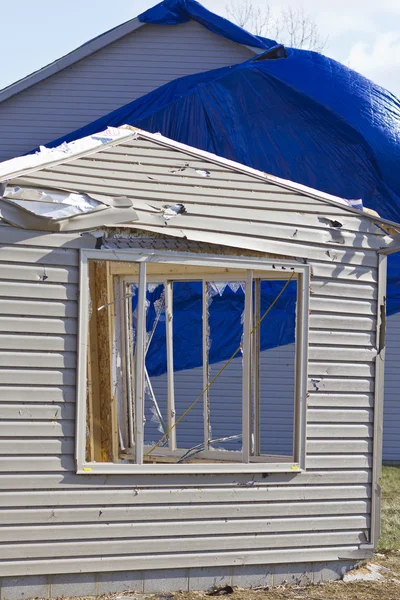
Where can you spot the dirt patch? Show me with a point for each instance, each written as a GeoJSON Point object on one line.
{"type": "Point", "coordinates": [387, 588]}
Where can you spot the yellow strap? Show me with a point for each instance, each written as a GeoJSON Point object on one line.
{"type": "Point", "coordinates": [220, 371]}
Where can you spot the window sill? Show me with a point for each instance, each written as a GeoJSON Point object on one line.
{"type": "Point", "coordinates": [187, 469]}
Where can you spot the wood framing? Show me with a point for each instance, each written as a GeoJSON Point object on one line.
{"type": "Point", "coordinates": [94, 430]}
{"type": "Point", "coordinates": [103, 438]}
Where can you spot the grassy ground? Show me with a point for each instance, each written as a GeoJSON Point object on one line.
{"type": "Point", "coordinates": [390, 523]}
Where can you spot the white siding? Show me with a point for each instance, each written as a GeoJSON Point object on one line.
{"type": "Point", "coordinates": [391, 410]}
{"type": "Point", "coordinates": [328, 505]}
{"type": "Point", "coordinates": [58, 522]}
{"type": "Point", "coordinates": [111, 77]}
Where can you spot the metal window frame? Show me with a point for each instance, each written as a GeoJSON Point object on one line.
{"type": "Point", "coordinates": [279, 266]}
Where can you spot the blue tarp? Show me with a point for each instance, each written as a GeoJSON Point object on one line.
{"type": "Point", "coordinates": [302, 117]}
{"type": "Point", "coordinates": [225, 318]}
{"type": "Point", "coordinates": [175, 12]}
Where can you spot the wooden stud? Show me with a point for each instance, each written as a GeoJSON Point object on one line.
{"type": "Point", "coordinates": [94, 411]}
{"type": "Point", "coordinates": [109, 420]}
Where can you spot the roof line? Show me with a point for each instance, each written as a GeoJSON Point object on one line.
{"type": "Point", "coordinates": [284, 183]}
{"type": "Point", "coordinates": [132, 133]}
{"type": "Point", "coordinates": [72, 57]}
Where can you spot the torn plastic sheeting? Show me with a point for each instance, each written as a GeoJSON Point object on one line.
{"type": "Point", "coordinates": [277, 328]}
{"type": "Point", "coordinates": [218, 287]}
{"type": "Point", "coordinates": [174, 12]}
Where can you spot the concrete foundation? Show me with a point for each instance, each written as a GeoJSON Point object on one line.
{"type": "Point", "coordinates": [155, 581]}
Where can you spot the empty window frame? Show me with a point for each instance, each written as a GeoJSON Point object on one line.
{"type": "Point", "coordinates": [174, 375]}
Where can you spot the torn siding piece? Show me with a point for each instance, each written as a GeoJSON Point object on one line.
{"type": "Point", "coordinates": [60, 210]}
{"type": "Point", "coordinates": [172, 211]}
{"type": "Point", "coordinates": [54, 204]}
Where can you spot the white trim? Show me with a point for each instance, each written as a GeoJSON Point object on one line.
{"type": "Point", "coordinates": [301, 383]}
{"type": "Point", "coordinates": [168, 291]}
{"type": "Point", "coordinates": [378, 402]}
{"type": "Point", "coordinates": [182, 468]}
{"type": "Point", "coordinates": [81, 368]}
{"type": "Point", "coordinates": [195, 260]}
{"type": "Point", "coordinates": [246, 368]}
{"type": "Point", "coordinates": [205, 367]}
{"type": "Point", "coordinates": [256, 367]}
{"type": "Point", "coordinates": [165, 257]}
{"type": "Point", "coordinates": [71, 58]}
{"type": "Point", "coordinates": [140, 365]}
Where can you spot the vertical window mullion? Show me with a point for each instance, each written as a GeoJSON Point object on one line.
{"type": "Point", "coordinates": [140, 364]}
{"type": "Point", "coordinates": [246, 347]}
{"type": "Point", "coordinates": [206, 395]}
{"type": "Point", "coordinates": [120, 360]}
{"type": "Point", "coordinates": [301, 378]}
{"type": "Point", "coordinates": [170, 365]}
{"type": "Point", "coordinates": [256, 337]}
{"type": "Point", "coordinates": [129, 362]}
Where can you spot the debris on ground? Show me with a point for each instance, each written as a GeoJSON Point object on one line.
{"type": "Point", "coordinates": [378, 580]}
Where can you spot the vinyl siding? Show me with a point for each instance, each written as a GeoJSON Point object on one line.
{"type": "Point", "coordinates": [54, 521]}
{"type": "Point", "coordinates": [111, 77]}
{"type": "Point", "coordinates": [391, 408]}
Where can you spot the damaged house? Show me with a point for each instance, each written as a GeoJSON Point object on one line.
{"type": "Point", "coordinates": [144, 283]}
{"type": "Point", "coordinates": [292, 113]}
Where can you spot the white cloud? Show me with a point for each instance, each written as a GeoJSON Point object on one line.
{"type": "Point", "coordinates": [379, 61]}
{"type": "Point", "coordinates": [339, 24]}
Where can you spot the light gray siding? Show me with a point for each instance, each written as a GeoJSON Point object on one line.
{"type": "Point", "coordinates": [111, 77]}
{"type": "Point", "coordinates": [55, 521]}
{"type": "Point", "coordinates": [391, 414]}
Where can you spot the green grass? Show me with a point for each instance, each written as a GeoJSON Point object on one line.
{"type": "Point", "coordinates": [390, 519]}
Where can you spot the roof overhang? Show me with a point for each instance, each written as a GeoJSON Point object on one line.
{"type": "Point", "coordinates": [119, 211]}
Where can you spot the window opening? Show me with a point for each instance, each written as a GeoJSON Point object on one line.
{"type": "Point", "coordinates": [225, 303]}
{"type": "Point", "coordinates": [274, 385]}
{"type": "Point", "coordinates": [212, 387]}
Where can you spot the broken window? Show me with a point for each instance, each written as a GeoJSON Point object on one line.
{"type": "Point", "coordinates": [181, 367]}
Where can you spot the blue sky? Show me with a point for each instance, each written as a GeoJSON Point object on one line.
{"type": "Point", "coordinates": [363, 34]}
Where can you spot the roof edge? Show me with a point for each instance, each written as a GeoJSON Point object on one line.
{"type": "Point", "coordinates": [86, 49]}
{"type": "Point", "coordinates": [127, 132]}
{"type": "Point", "coordinates": [285, 183]}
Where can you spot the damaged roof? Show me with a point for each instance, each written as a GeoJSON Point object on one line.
{"type": "Point", "coordinates": [125, 177]}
